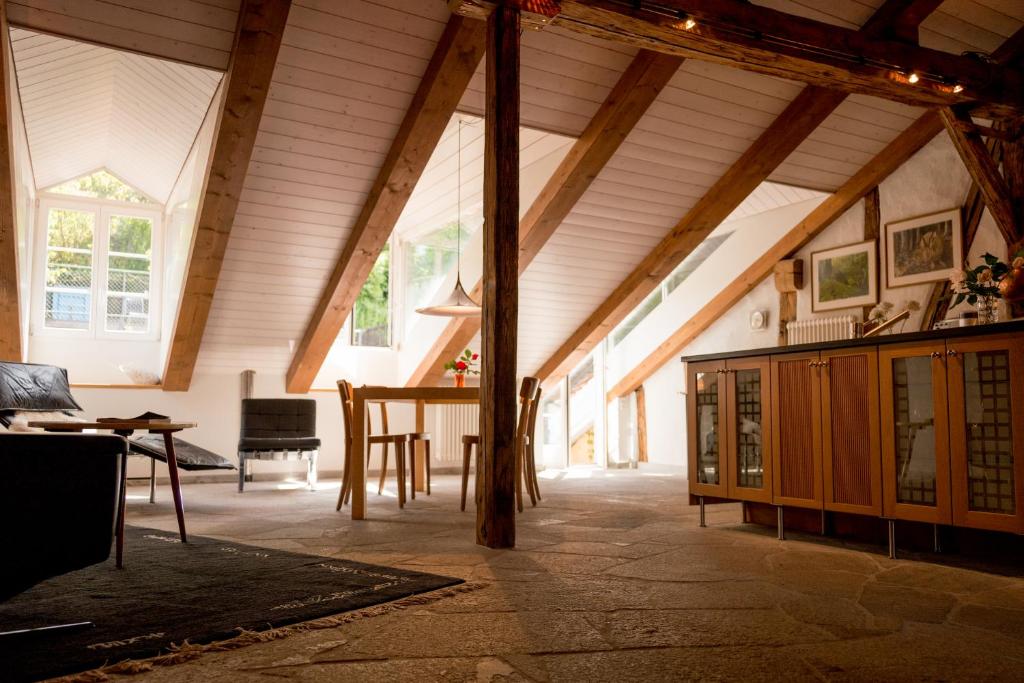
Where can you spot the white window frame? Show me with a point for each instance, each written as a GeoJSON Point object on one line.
{"type": "Point", "coordinates": [102, 209]}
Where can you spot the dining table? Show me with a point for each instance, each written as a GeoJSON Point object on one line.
{"type": "Point", "coordinates": [421, 397]}
{"type": "Point", "coordinates": [126, 428]}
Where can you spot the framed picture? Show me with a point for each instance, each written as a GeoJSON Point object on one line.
{"type": "Point", "coordinates": [844, 277]}
{"type": "Point", "coordinates": [924, 249]}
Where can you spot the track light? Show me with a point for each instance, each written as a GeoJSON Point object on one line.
{"type": "Point", "coordinates": [913, 77]}
{"type": "Point", "coordinates": [958, 88]}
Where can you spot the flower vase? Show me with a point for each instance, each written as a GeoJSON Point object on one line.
{"type": "Point", "coordinates": [460, 380]}
{"type": "Point", "coordinates": [988, 310]}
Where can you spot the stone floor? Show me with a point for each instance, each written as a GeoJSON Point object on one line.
{"type": "Point", "coordinates": [612, 580]}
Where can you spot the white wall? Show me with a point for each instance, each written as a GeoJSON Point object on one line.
{"type": "Point", "coordinates": [213, 401]}
{"type": "Point", "coordinates": [24, 202]}
{"type": "Point", "coordinates": [932, 180]}
{"type": "Point", "coordinates": [179, 222]}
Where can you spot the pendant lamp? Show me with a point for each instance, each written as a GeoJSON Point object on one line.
{"type": "Point", "coordinates": [458, 304]}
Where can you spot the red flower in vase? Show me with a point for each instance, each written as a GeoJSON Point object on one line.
{"type": "Point", "coordinates": [475, 356]}
{"type": "Point", "coordinates": [461, 366]}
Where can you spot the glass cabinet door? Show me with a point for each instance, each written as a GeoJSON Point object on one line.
{"type": "Point", "coordinates": [915, 440]}
{"type": "Point", "coordinates": [985, 410]}
{"type": "Point", "coordinates": [707, 440]}
{"type": "Point", "coordinates": [749, 427]}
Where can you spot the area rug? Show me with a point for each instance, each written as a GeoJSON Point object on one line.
{"type": "Point", "coordinates": [201, 592]}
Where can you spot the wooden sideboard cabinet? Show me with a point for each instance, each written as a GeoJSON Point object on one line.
{"type": "Point", "coordinates": [825, 424]}
{"type": "Point", "coordinates": [728, 447]}
{"type": "Point", "coordinates": [925, 427]}
{"type": "Point", "coordinates": [952, 428]}
{"type": "Point", "coordinates": [796, 429]}
{"type": "Point", "coordinates": [851, 459]}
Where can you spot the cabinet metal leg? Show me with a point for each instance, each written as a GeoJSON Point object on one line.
{"type": "Point", "coordinates": [937, 539]}
{"type": "Point", "coordinates": [892, 540]}
{"type": "Point", "coordinates": [778, 524]}
{"type": "Point", "coordinates": [702, 522]}
{"type": "Point", "coordinates": [824, 523]}
{"type": "Point", "coordinates": [152, 480]}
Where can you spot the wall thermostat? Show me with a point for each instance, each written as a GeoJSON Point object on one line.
{"type": "Point", "coordinates": [759, 320]}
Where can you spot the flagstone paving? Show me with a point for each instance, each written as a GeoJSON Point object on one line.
{"type": "Point", "coordinates": [612, 580]}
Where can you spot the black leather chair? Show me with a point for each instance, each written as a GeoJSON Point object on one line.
{"type": "Point", "coordinates": [278, 429]}
{"type": "Point", "coordinates": [59, 501]}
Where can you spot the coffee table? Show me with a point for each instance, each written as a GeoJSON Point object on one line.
{"type": "Point", "coordinates": [126, 428]}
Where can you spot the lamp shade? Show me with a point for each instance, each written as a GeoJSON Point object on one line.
{"type": "Point", "coordinates": [458, 304]}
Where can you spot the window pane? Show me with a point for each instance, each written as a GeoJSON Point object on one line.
{"type": "Point", "coordinates": [583, 416]}
{"type": "Point", "coordinates": [100, 185]}
{"type": "Point", "coordinates": [428, 260]}
{"type": "Point", "coordinates": [372, 312]}
{"type": "Point", "coordinates": [129, 266]}
{"type": "Point", "coordinates": [69, 236]}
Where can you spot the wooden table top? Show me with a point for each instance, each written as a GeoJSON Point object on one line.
{"type": "Point", "coordinates": [427, 394]}
{"type": "Point", "coordinates": [120, 425]}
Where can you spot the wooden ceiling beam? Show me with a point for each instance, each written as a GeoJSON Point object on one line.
{"type": "Point", "coordinates": [974, 207]}
{"type": "Point", "coordinates": [10, 302]}
{"type": "Point", "coordinates": [455, 59]}
{"type": "Point", "coordinates": [983, 169]}
{"type": "Point", "coordinates": [895, 154]}
{"type": "Point", "coordinates": [261, 24]}
{"type": "Point", "coordinates": [756, 38]}
{"type": "Point", "coordinates": [634, 92]}
{"type": "Point", "coordinates": [803, 115]}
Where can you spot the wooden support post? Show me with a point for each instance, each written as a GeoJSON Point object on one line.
{"type": "Point", "coordinates": [495, 496]}
{"type": "Point", "coordinates": [641, 425]}
{"type": "Point", "coordinates": [873, 231]}
{"type": "Point", "coordinates": [10, 311]}
{"type": "Point", "coordinates": [789, 279]}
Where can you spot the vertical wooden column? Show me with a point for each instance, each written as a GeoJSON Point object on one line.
{"type": "Point", "coordinates": [10, 300]}
{"type": "Point", "coordinates": [641, 424]}
{"type": "Point", "coordinates": [495, 491]}
{"type": "Point", "coordinates": [789, 278]}
{"type": "Point", "coordinates": [873, 231]}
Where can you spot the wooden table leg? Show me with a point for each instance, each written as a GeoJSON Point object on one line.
{"type": "Point", "coordinates": [418, 449]}
{"type": "Point", "coordinates": [357, 472]}
{"type": "Point", "coordinates": [172, 470]}
{"type": "Point", "coordinates": [122, 504]}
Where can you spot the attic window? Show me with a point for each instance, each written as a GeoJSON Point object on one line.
{"type": "Point", "coordinates": [101, 185]}
{"type": "Point", "coordinates": [99, 262]}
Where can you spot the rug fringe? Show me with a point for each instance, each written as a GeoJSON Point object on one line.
{"type": "Point", "coordinates": [187, 651]}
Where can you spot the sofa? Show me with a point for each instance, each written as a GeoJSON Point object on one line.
{"type": "Point", "coordinates": [59, 497]}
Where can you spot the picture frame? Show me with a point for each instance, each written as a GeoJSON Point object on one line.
{"type": "Point", "coordinates": [844, 277]}
{"type": "Point", "coordinates": [923, 249]}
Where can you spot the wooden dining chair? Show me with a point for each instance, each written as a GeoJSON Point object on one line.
{"type": "Point", "coordinates": [399, 441]}
{"type": "Point", "coordinates": [411, 438]}
{"type": "Point", "coordinates": [528, 392]}
{"type": "Point", "coordinates": [531, 442]}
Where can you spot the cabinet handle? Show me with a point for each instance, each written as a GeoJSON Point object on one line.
{"type": "Point", "coordinates": [951, 352]}
{"type": "Point", "coordinates": [812, 364]}
{"type": "Point", "coordinates": [936, 354]}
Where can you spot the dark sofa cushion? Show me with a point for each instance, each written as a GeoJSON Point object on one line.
{"type": "Point", "coordinates": [58, 496]}
{"type": "Point", "coordinates": [188, 456]}
{"type": "Point", "coordinates": [27, 386]}
{"type": "Point", "coordinates": [287, 444]}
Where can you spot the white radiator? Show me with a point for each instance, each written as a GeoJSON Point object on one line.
{"type": "Point", "coordinates": [821, 330]}
{"type": "Point", "coordinates": [451, 421]}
